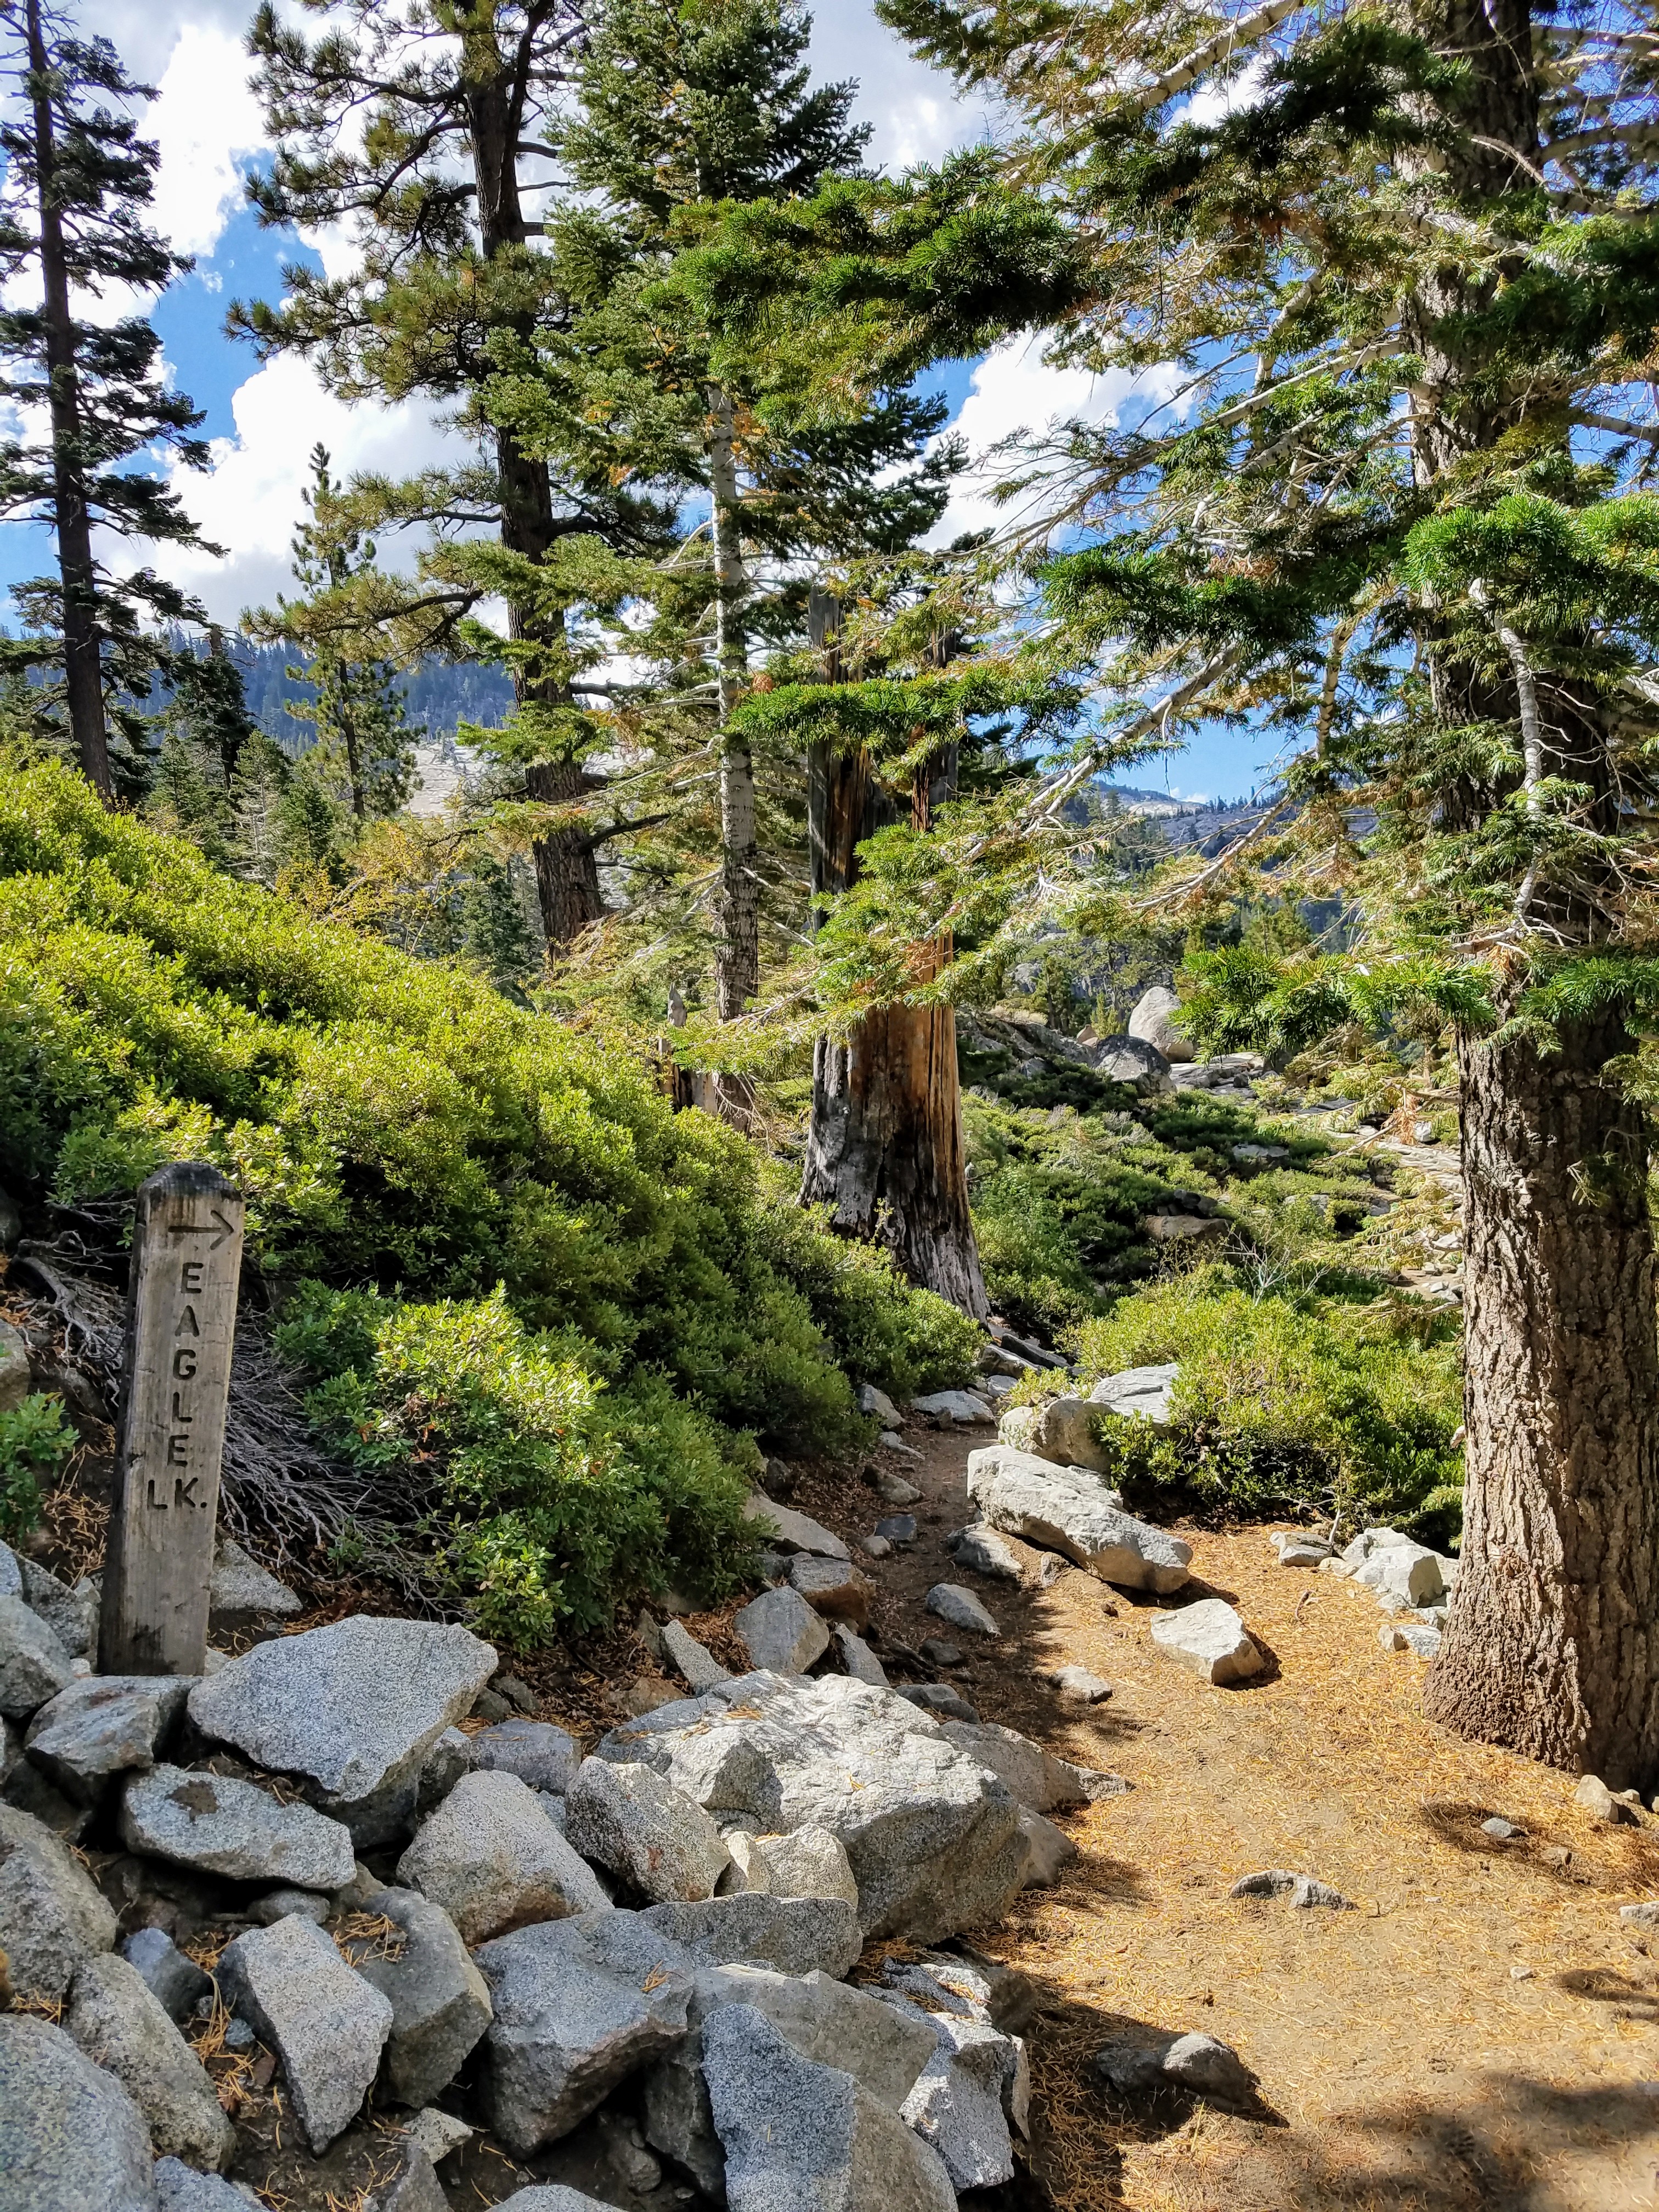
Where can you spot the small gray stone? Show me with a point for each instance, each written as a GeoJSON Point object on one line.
{"type": "Point", "coordinates": [1615, 1807]}
{"type": "Point", "coordinates": [943, 1699]}
{"type": "Point", "coordinates": [1405, 1570]}
{"type": "Point", "coordinates": [1082, 1687]}
{"type": "Point", "coordinates": [899, 1528]}
{"type": "Point", "coordinates": [780, 1631]}
{"type": "Point", "coordinates": [579, 2005]}
{"type": "Point", "coordinates": [493, 1860]}
{"type": "Point", "coordinates": [1209, 1638]}
{"type": "Point", "coordinates": [11, 1573]}
{"type": "Point", "coordinates": [52, 1916]}
{"type": "Point", "coordinates": [983, 1551]}
{"type": "Point", "coordinates": [104, 1726]}
{"type": "Point", "coordinates": [277, 1904]}
{"type": "Point", "coordinates": [177, 1983]}
{"type": "Point", "coordinates": [1301, 1889]}
{"type": "Point", "coordinates": [860, 1661]}
{"type": "Point", "coordinates": [1208, 2066]}
{"type": "Point", "coordinates": [699, 1665]}
{"type": "Point", "coordinates": [1051, 1850]}
{"type": "Point", "coordinates": [893, 1487]}
{"type": "Point", "coordinates": [180, 2188]}
{"type": "Point", "coordinates": [878, 1404]}
{"type": "Point", "coordinates": [809, 1862]}
{"type": "Point", "coordinates": [33, 1663]}
{"type": "Point", "coordinates": [241, 1591]}
{"type": "Point", "coordinates": [355, 1707]}
{"type": "Point", "coordinates": [938, 1653]}
{"type": "Point", "coordinates": [16, 1378]}
{"type": "Point", "coordinates": [795, 1934]}
{"type": "Point", "coordinates": [795, 1532]}
{"type": "Point", "coordinates": [965, 1406]}
{"type": "Point", "coordinates": [797, 2134]}
{"type": "Point", "coordinates": [834, 1591]}
{"type": "Point", "coordinates": [413, 2187]}
{"type": "Point", "coordinates": [27, 1788]}
{"type": "Point", "coordinates": [324, 2022]}
{"type": "Point", "coordinates": [1412, 1635]}
{"type": "Point", "coordinates": [551, 2196]}
{"type": "Point", "coordinates": [952, 1602]}
{"type": "Point", "coordinates": [1645, 1915]}
{"type": "Point", "coordinates": [876, 1547]}
{"type": "Point", "coordinates": [73, 2140]}
{"type": "Point", "coordinates": [70, 1611]}
{"type": "Point", "coordinates": [440, 2000]}
{"type": "Point", "coordinates": [233, 1828]}
{"type": "Point", "coordinates": [438, 2133]}
{"type": "Point", "coordinates": [967, 1985]}
{"type": "Point", "coordinates": [1502, 1831]}
{"type": "Point", "coordinates": [642, 1829]}
{"type": "Point", "coordinates": [540, 1755]}
{"type": "Point", "coordinates": [117, 2020]}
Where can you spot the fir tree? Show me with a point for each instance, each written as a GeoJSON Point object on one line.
{"type": "Point", "coordinates": [78, 178]}
{"type": "Point", "coordinates": [1389, 497]}
{"type": "Point", "coordinates": [441, 195]}
{"type": "Point", "coordinates": [357, 711]}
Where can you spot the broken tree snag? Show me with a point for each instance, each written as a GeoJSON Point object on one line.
{"type": "Point", "coordinates": [181, 1323]}
{"type": "Point", "coordinates": [885, 1148]}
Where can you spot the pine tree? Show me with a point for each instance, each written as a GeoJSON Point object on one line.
{"type": "Point", "coordinates": [1390, 495]}
{"type": "Point", "coordinates": [441, 195]}
{"type": "Point", "coordinates": [78, 178]}
{"type": "Point", "coordinates": [357, 711]}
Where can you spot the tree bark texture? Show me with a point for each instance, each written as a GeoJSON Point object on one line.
{"type": "Point", "coordinates": [567, 866]}
{"type": "Point", "coordinates": [83, 677]}
{"type": "Point", "coordinates": [737, 956]}
{"type": "Point", "coordinates": [884, 1149]}
{"type": "Point", "coordinates": [1552, 1647]}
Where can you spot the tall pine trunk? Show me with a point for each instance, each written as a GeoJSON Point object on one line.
{"type": "Point", "coordinates": [737, 947]}
{"type": "Point", "coordinates": [1553, 1645]}
{"type": "Point", "coordinates": [566, 868]}
{"type": "Point", "coordinates": [82, 671]}
{"type": "Point", "coordinates": [884, 1149]}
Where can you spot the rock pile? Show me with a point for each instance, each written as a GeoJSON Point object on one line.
{"type": "Point", "coordinates": [668, 1922]}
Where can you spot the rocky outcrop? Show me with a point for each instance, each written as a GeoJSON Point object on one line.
{"type": "Point", "coordinates": [1064, 1509]}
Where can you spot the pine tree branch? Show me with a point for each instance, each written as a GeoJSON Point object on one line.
{"type": "Point", "coordinates": [1246, 31]}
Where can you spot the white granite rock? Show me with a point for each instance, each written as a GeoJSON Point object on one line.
{"type": "Point", "coordinates": [440, 2002]}
{"type": "Point", "coordinates": [698, 1664]}
{"type": "Point", "coordinates": [73, 2141]}
{"type": "Point", "coordinates": [117, 2020]}
{"type": "Point", "coordinates": [781, 1632]}
{"type": "Point", "coordinates": [795, 1934]}
{"type": "Point", "coordinates": [241, 1590]}
{"type": "Point", "coordinates": [950, 1602]}
{"type": "Point", "coordinates": [233, 1828]}
{"type": "Point", "coordinates": [1067, 1510]}
{"type": "Point", "coordinates": [34, 1665]}
{"type": "Point", "coordinates": [1209, 1638]}
{"type": "Point", "coordinates": [1036, 1777]}
{"type": "Point", "coordinates": [325, 2023]}
{"type": "Point", "coordinates": [634, 1823]}
{"type": "Point", "coordinates": [1139, 1391]}
{"type": "Point", "coordinates": [52, 1916]}
{"type": "Point", "coordinates": [860, 1661]}
{"type": "Point", "coordinates": [493, 1860]}
{"type": "Point", "coordinates": [541, 1755]}
{"type": "Point", "coordinates": [579, 2006]}
{"type": "Point", "coordinates": [794, 1532]}
{"type": "Point", "coordinates": [353, 1707]}
{"type": "Point", "coordinates": [105, 1725]}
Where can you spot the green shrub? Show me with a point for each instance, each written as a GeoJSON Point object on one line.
{"type": "Point", "coordinates": [544, 1496]}
{"type": "Point", "coordinates": [1290, 1398]}
{"type": "Point", "coordinates": [399, 1127]}
{"type": "Point", "coordinates": [35, 1440]}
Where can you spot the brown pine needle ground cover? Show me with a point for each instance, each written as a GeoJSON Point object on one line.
{"type": "Point", "coordinates": [1482, 2032]}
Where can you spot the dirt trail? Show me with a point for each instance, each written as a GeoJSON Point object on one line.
{"type": "Point", "coordinates": [1482, 2032]}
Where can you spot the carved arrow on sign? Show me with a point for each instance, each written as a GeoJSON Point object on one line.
{"type": "Point", "coordinates": [206, 1229]}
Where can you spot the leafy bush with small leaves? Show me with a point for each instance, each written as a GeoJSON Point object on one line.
{"type": "Point", "coordinates": [36, 1438]}
{"type": "Point", "coordinates": [546, 1497]}
{"type": "Point", "coordinates": [1291, 1398]}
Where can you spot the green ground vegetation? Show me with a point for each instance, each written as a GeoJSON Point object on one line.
{"type": "Point", "coordinates": [598, 1306]}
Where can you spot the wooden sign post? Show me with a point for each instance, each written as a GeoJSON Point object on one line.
{"type": "Point", "coordinates": [181, 1323]}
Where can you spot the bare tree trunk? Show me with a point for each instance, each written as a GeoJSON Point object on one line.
{"type": "Point", "coordinates": [884, 1149]}
{"type": "Point", "coordinates": [1552, 1648]}
{"type": "Point", "coordinates": [82, 672]}
{"type": "Point", "coordinates": [737, 948]}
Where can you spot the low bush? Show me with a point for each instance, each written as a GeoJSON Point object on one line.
{"type": "Point", "coordinates": [401, 1130]}
{"type": "Point", "coordinates": [1289, 1398]}
{"type": "Point", "coordinates": [36, 1439]}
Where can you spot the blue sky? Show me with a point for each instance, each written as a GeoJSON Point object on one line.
{"type": "Point", "coordinates": [264, 421]}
